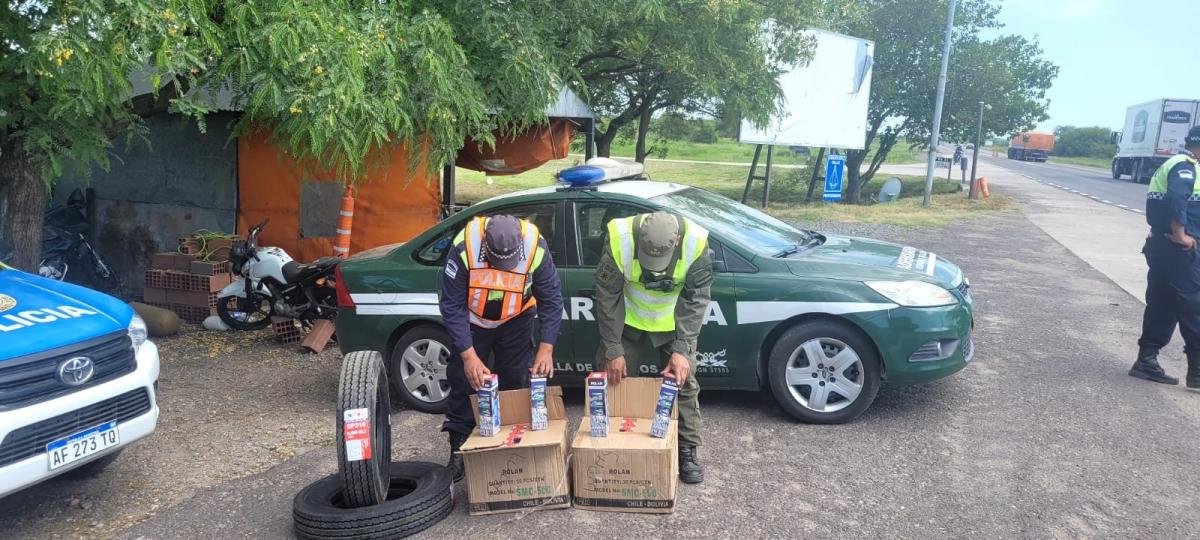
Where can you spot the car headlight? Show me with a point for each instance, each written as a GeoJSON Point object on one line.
{"type": "Point", "coordinates": [137, 332]}
{"type": "Point", "coordinates": [913, 293]}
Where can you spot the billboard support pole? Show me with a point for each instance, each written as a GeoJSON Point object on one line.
{"type": "Point", "coordinates": [937, 107]}
{"type": "Point", "coordinates": [816, 169]}
{"type": "Point", "coordinates": [750, 177]}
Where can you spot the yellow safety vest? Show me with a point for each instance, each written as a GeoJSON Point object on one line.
{"type": "Point", "coordinates": [646, 309]}
{"type": "Point", "coordinates": [512, 288]}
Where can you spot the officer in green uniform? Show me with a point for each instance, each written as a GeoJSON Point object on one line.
{"type": "Point", "coordinates": [653, 285]}
{"type": "Point", "coordinates": [1173, 282]}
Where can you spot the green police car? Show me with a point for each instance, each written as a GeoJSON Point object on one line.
{"type": "Point", "coordinates": [821, 320]}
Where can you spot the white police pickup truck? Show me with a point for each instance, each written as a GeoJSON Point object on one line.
{"type": "Point", "coordinates": [77, 379]}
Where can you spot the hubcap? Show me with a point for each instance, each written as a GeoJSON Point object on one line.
{"type": "Point", "coordinates": [825, 375]}
{"type": "Point", "coordinates": [423, 370]}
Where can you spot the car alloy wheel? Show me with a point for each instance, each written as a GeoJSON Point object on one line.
{"type": "Point", "coordinates": [824, 371]}
{"type": "Point", "coordinates": [423, 370]}
{"type": "Point", "coordinates": [418, 368]}
{"type": "Point", "coordinates": [825, 375]}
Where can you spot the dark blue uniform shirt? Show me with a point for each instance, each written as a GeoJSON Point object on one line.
{"type": "Point", "coordinates": [456, 281]}
{"type": "Point", "coordinates": [1177, 204]}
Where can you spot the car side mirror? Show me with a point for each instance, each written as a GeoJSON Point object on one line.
{"type": "Point", "coordinates": [719, 266]}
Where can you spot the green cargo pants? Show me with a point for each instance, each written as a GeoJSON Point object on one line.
{"type": "Point", "coordinates": [640, 349]}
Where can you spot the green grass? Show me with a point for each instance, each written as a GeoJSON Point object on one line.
{"type": "Point", "coordinates": [1103, 163]}
{"type": "Point", "coordinates": [731, 151]}
{"type": "Point", "coordinates": [787, 193]}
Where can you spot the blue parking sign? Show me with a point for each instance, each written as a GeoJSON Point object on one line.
{"type": "Point", "coordinates": [834, 168]}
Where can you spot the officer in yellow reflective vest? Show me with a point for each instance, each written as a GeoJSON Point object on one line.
{"type": "Point", "coordinates": [1173, 282]}
{"type": "Point", "coordinates": [497, 276]}
{"type": "Point", "coordinates": [653, 284]}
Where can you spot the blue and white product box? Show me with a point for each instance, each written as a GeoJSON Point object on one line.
{"type": "Point", "coordinates": [489, 406]}
{"type": "Point", "coordinates": [597, 396]}
{"type": "Point", "coordinates": [662, 413]}
{"type": "Point", "coordinates": [538, 413]}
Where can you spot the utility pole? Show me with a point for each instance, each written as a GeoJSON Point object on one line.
{"type": "Point", "coordinates": [937, 107]}
{"type": "Point", "coordinates": [975, 154]}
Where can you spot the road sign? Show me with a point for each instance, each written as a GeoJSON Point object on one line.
{"type": "Point", "coordinates": [944, 160]}
{"type": "Point", "coordinates": [834, 168]}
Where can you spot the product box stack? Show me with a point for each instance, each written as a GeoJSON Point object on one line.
{"type": "Point", "coordinates": [623, 456]}
{"type": "Point", "coordinates": [187, 285]}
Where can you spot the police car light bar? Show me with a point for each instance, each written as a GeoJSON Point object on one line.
{"type": "Point", "coordinates": [597, 170]}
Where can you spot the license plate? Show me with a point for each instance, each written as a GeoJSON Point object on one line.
{"type": "Point", "coordinates": [82, 445]}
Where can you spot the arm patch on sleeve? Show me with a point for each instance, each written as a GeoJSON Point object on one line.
{"type": "Point", "coordinates": [1186, 175]}
{"type": "Point", "coordinates": [451, 268]}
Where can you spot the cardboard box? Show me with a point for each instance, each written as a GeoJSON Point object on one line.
{"type": "Point", "coordinates": [489, 406]}
{"type": "Point", "coordinates": [597, 399]}
{"type": "Point", "coordinates": [518, 468]}
{"type": "Point", "coordinates": [627, 471]}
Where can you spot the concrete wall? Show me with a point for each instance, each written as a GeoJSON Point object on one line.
{"type": "Point", "coordinates": [185, 181]}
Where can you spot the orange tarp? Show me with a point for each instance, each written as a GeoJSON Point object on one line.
{"type": "Point", "coordinates": [393, 205]}
{"type": "Point", "coordinates": [514, 155]}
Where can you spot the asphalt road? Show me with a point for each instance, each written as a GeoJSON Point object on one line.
{"type": "Point", "coordinates": [1043, 435]}
{"type": "Point", "coordinates": [1096, 184]}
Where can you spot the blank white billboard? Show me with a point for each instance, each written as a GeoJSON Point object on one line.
{"type": "Point", "coordinates": [826, 100]}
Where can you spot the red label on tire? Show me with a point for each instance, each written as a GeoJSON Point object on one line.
{"type": "Point", "coordinates": [356, 431]}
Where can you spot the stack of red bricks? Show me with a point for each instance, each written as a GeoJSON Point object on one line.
{"type": "Point", "coordinates": [181, 283]}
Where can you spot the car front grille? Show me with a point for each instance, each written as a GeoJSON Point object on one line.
{"type": "Point", "coordinates": [31, 440]}
{"type": "Point", "coordinates": [35, 378]}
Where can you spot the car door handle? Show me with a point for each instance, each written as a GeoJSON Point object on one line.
{"type": "Point", "coordinates": [587, 293]}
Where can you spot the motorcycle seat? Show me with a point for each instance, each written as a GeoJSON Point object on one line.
{"type": "Point", "coordinates": [295, 272]}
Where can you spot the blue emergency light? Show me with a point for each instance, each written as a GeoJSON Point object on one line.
{"type": "Point", "coordinates": [581, 175]}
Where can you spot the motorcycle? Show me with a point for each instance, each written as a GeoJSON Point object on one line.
{"type": "Point", "coordinates": [66, 251]}
{"type": "Point", "coordinates": [270, 283]}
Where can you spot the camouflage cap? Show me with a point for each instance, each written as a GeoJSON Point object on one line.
{"type": "Point", "coordinates": [658, 235]}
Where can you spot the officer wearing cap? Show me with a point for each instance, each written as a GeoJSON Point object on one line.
{"type": "Point", "coordinates": [497, 276]}
{"type": "Point", "coordinates": [653, 285]}
{"type": "Point", "coordinates": [1173, 282]}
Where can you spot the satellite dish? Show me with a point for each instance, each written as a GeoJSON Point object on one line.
{"type": "Point", "coordinates": [890, 190]}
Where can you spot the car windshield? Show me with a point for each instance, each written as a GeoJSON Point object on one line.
{"type": "Point", "coordinates": [737, 222]}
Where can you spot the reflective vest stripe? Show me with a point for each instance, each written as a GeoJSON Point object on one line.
{"type": "Point", "coordinates": [489, 284]}
{"type": "Point", "coordinates": [645, 309]}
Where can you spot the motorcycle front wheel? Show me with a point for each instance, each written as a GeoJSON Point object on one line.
{"type": "Point", "coordinates": [253, 313]}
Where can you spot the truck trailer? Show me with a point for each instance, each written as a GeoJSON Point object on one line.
{"type": "Point", "coordinates": [1153, 132]}
{"type": "Point", "coordinates": [1031, 146]}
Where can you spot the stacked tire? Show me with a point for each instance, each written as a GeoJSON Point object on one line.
{"type": "Point", "coordinates": [370, 497]}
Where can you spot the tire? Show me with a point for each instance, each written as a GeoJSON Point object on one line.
{"type": "Point", "coordinates": [1116, 169]}
{"type": "Point", "coordinates": [836, 383]}
{"type": "Point", "coordinates": [1135, 171]}
{"type": "Point", "coordinates": [417, 368]}
{"type": "Point", "coordinates": [363, 385]}
{"type": "Point", "coordinates": [227, 316]}
{"type": "Point", "coordinates": [419, 497]}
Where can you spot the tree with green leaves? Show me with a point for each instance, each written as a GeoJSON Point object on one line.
{"type": "Point", "coordinates": [1006, 72]}
{"type": "Point", "coordinates": [1093, 141]}
{"type": "Point", "coordinates": [637, 57]}
{"type": "Point", "coordinates": [332, 81]}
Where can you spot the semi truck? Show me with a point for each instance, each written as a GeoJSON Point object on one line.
{"type": "Point", "coordinates": [1031, 146]}
{"type": "Point", "coordinates": [1153, 131]}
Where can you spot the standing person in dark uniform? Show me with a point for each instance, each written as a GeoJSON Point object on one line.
{"type": "Point", "coordinates": [498, 274]}
{"type": "Point", "coordinates": [1173, 282]}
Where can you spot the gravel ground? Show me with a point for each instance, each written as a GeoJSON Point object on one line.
{"type": "Point", "coordinates": [232, 404]}
{"type": "Point", "coordinates": [1043, 435]}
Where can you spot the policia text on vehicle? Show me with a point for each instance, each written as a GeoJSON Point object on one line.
{"type": "Point", "coordinates": [1173, 282]}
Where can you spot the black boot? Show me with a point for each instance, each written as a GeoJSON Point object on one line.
{"type": "Point", "coordinates": [690, 469]}
{"type": "Point", "coordinates": [455, 465]}
{"type": "Point", "coordinates": [1193, 372]}
{"type": "Point", "coordinates": [1147, 367]}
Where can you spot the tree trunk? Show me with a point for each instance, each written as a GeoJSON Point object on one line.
{"type": "Point", "coordinates": [22, 206]}
{"type": "Point", "coordinates": [854, 181]}
{"type": "Point", "coordinates": [604, 141]}
{"type": "Point", "coordinates": [643, 129]}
